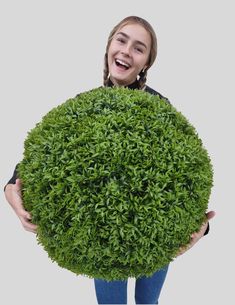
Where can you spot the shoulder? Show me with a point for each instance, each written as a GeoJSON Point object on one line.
{"type": "Point", "coordinates": [154, 92]}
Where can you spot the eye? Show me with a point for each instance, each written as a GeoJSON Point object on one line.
{"type": "Point", "coordinates": [139, 50]}
{"type": "Point", "coordinates": [121, 40]}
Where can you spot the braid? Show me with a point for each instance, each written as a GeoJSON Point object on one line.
{"type": "Point", "coordinates": [142, 79]}
{"type": "Point", "coordinates": [106, 70]}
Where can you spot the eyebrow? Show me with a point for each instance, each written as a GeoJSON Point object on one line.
{"type": "Point", "coordinates": [137, 41]}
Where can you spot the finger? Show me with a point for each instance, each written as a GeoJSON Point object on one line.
{"type": "Point", "coordinates": [195, 237]}
{"type": "Point", "coordinates": [31, 230]}
{"type": "Point", "coordinates": [210, 215]}
{"type": "Point", "coordinates": [18, 182]}
{"type": "Point", "coordinates": [28, 215]}
{"type": "Point", "coordinates": [28, 225]}
{"type": "Point", "coordinates": [26, 218]}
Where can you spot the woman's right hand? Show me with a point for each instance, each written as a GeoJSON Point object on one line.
{"type": "Point", "coordinates": [13, 196]}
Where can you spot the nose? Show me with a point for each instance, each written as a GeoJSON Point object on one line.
{"type": "Point", "coordinates": [126, 50]}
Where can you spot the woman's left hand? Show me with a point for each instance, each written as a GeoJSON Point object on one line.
{"type": "Point", "coordinates": [197, 235]}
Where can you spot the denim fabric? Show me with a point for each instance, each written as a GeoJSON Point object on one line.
{"type": "Point", "coordinates": [147, 289]}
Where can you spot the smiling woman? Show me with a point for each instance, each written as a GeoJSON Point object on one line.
{"type": "Point", "coordinates": [128, 54]}
{"type": "Point", "coordinates": [131, 50]}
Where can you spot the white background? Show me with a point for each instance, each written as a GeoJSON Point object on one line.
{"type": "Point", "coordinates": [52, 50]}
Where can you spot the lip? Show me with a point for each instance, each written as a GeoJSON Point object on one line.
{"type": "Point", "coordinates": [120, 70]}
{"type": "Point", "coordinates": [124, 61]}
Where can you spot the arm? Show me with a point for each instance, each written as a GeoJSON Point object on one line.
{"type": "Point", "coordinates": [198, 235]}
{"type": "Point", "coordinates": [13, 196]}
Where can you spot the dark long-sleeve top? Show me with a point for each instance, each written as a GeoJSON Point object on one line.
{"type": "Point", "coordinates": [134, 85]}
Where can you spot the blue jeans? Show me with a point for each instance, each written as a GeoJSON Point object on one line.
{"type": "Point", "coordinates": [147, 289]}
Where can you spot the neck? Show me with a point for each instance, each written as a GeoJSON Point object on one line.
{"type": "Point", "coordinates": [132, 85]}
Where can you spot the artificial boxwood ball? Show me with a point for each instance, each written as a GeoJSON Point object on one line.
{"type": "Point", "coordinates": [116, 180]}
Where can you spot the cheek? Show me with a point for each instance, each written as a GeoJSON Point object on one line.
{"type": "Point", "coordinates": [109, 61]}
{"type": "Point", "coordinates": [140, 63]}
{"type": "Point", "coordinates": [111, 52]}
{"type": "Point", "coordinates": [111, 49]}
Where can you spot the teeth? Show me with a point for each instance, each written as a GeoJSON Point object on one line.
{"type": "Point", "coordinates": [122, 63]}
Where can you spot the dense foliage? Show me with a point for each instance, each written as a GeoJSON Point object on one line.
{"type": "Point", "coordinates": [117, 180]}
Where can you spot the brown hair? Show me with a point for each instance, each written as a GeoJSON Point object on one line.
{"type": "Point", "coordinates": [153, 50]}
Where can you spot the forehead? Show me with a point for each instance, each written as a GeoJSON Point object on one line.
{"type": "Point", "coordinates": [136, 32]}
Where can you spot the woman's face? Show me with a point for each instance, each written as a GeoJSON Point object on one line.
{"type": "Point", "coordinates": [128, 54]}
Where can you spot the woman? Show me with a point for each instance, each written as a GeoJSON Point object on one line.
{"type": "Point", "coordinates": [131, 50]}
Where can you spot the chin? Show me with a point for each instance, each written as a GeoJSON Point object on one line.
{"type": "Point", "coordinates": [120, 77]}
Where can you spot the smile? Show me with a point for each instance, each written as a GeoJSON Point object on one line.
{"type": "Point", "coordinates": [122, 64]}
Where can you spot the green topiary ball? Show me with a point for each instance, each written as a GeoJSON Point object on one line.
{"type": "Point", "coordinates": [116, 180]}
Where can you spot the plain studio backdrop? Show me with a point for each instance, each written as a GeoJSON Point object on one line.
{"type": "Point", "coordinates": [52, 50]}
